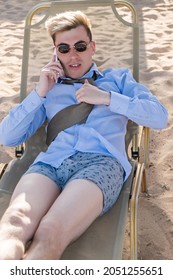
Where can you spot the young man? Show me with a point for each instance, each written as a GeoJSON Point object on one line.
{"type": "Point", "coordinates": [81, 174]}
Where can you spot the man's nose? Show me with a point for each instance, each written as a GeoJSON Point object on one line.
{"type": "Point", "coordinates": [73, 52]}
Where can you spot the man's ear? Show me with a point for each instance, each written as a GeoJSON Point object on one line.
{"type": "Point", "coordinates": [93, 46]}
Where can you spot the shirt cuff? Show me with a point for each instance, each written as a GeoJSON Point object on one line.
{"type": "Point", "coordinates": [32, 101]}
{"type": "Point", "coordinates": [119, 103]}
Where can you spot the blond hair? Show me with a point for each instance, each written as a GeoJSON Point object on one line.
{"type": "Point", "coordinates": [66, 21]}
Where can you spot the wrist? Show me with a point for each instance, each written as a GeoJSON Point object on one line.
{"type": "Point", "coordinates": [38, 91]}
{"type": "Point", "coordinates": [107, 98]}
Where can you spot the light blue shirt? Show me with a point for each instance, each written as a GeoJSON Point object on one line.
{"type": "Point", "coordinates": [105, 128]}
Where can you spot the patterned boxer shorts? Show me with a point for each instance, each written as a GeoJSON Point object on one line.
{"type": "Point", "coordinates": [105, 171]}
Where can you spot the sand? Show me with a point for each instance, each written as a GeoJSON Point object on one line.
{"type": "Point", "coordinates": [156, 71]}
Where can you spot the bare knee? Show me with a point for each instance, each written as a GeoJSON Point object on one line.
{"type": "Point", "coordinates": [15, 221]}
{"type": "Point", "coordinates": [51, 235]}
{"type": "Point", "coordinates": [13, 233]}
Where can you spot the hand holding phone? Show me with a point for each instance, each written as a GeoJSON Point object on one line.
{"type": "Point", "coordinates": [61, 72]}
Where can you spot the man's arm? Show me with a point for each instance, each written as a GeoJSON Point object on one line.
{"type": "Point", "coordinates": [130, 99]}
{"type": "Point", "coordinates": [23, 120]}
{"type": "Point", "coordinates": [138, 104]}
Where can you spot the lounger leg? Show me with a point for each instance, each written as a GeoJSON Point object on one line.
{"type": "Point", "coordinates": [134, 210]}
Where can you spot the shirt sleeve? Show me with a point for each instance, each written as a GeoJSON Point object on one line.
{"type": "Point", "coordinates": [23, 120]}
{"type": "Point", "coordinates": [137, 103]}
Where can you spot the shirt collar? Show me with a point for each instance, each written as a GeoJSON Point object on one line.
{"type": "Point", "coordinates": [93, 69]}
{"type": "Point", "coordinates": [89, 74]}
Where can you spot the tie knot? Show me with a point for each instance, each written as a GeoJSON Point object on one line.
{"type": "Point", "coordinates": [81, 81]}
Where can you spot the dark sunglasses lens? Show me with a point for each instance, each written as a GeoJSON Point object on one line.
{"type": "Point", "coordinates": [81, 47]}
{"type": "Point", "coordinates": [63, 48]}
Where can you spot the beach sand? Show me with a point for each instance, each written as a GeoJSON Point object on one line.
{"type": "Point", "coordinates": [156, 72]}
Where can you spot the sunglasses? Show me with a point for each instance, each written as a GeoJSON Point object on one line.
{"type": "Point", "coordinates": [80, 46]}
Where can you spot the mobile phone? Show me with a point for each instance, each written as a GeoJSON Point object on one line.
{"type": "Point", "coordinates": [56, 59]}
{"type": "Point", "coordinates": [55, 53]}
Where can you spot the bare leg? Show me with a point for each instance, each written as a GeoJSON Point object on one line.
{"type": "Point", "coordinates": [31, 200]}
{"type": "Point", "coordinates": [74, 210]}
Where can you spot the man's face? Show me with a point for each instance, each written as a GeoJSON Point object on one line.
{"type": "Point", "coordinates": [74, 63]}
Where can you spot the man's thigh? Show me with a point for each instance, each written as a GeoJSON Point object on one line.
{"type": "Point", "coordinates": [33, 196]}
{"type": "Point", "coordinates": [78, 205]}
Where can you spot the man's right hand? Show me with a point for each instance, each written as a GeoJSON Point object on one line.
{"type": "Point", "coordinates": [48, 76]}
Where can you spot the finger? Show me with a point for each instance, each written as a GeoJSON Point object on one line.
{"type": "Point", "coordinates": [50, 74]}
{"type": "Point", "coordinates": [53, 69]}
{"type": "Point", "coordinates": [86, 81]}
{"type": "Point", "coordinates": [78, 96]}
{"type": "Point", "coordinates": [57, 68]}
